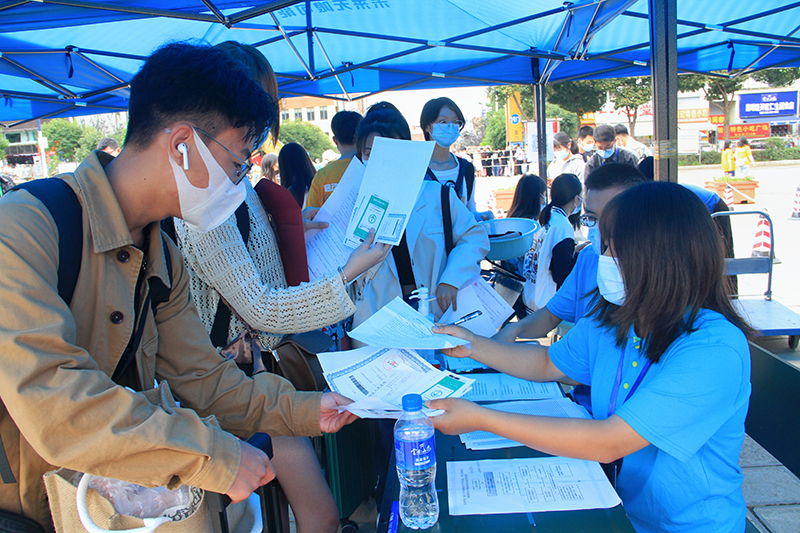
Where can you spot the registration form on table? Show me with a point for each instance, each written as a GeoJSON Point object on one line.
{"type": "Point", "coordinates": [500, 486]}
{"type": "Point", "coordinates": [376, 379]}
{"type": "Point", "coordinates": [495, 386]}
{"type": "Point", "coordinates": [325, 248]}
{"type": "Point", "coordinates": [478, 295]}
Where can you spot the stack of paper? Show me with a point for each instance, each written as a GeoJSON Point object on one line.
{"type": "Point", "coordinates": [478, 295]}
{"type": "Point", "coordinates": [561, 407]}
{"type": "Point", "coordinates": [495, 386]}
{"type": "Point", "coordinates": [376, 379]}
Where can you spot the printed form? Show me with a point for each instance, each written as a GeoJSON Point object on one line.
{"type": "Point", "coordinates": [392, 179]}
{"type": "Point", "coordinates": [325, 248]}
{"type": "Point", "coordinates": [496, 386]}
{"type": "Point", "coordinates": [377, 379]}
{"type": "Point", "coordinates": [398, 325]}
{"type": "Point", "coordinates": [527, 486]}
{"type": "Point", "coordinates": [478, 295]}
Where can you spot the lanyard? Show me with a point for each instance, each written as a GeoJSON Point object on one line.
{"type": "Point", "coordinates": [616, 156]}
{"type": "Point", "coordinates": [612, 405]}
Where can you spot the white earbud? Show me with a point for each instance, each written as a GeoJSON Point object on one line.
{"type": "Point", "coordinates": [182, 149]}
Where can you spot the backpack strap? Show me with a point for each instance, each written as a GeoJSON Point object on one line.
{"type": "Point", "coordinates": [62, 202]}
{"type": "Point", "coordinates": [222, 320]}
{"type": "Point", "coordinates": [447, 220]}
{"type": "Point", "coordinates": [466, 171]}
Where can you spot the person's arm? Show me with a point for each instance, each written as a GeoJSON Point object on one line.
{"type": "Point", "coordinates": [471, 244]}
{"type": "Point", "coordinates": [533, 326]}
{"type": "Point", "coordinates": [594, 440]}
{"type": "Point", "coordinates": [563, 260]}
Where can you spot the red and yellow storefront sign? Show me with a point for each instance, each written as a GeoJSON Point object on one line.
{"type": "Point", "coordinates": [753, 131]}
{"type": "Point", "coordinates": [692, 115]}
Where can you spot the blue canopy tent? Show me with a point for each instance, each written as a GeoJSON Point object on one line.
{"type": "Point", "coordinates": [74, 57]}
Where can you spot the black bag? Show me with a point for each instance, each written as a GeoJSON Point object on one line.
{"type": "Point", "coordinates": [295, 359]}
{"type": "Point", "coordinates": [15, 523]}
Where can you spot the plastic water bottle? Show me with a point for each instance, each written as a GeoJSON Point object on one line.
{"type": "Point", "coordinates": [424, 308]}
{"type": "Point", "coordinates": [415, 453]}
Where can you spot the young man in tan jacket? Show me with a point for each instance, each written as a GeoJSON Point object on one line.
{"type": "Point", "coordinates": [195, 116]}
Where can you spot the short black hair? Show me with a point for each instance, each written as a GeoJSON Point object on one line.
{"type": "Point", "coordinates": [385, 120]}
{"type": "Point", "coordinates": [344, 125]}
{"type": "Point", "coordinates": [431, 110]}
{"type": "Point", "coordinates": [614, 175]}
{"type": "Point", "coordinates": [107, 142]}
{"type": "Point", "coordinates": [604, 133]}
{"type": "Point", "coordinates": [647, 167]}
{"type": "Point", "coordinates": [620, 129]}
{"type": "Point", "coordinates": [585, 131]}
{"type": "Point", "coordinates": [201, 85]}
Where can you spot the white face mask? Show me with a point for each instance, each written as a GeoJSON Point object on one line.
{"type": "Point", "coordinates": [205, 209]}
{"type": "Point", "coordinates": [445, 134]}
{"type": "Point", "coordinates": [609, 280]}
{"type": "Point", "coordinates": [561, 154]}
{"type": "Point", "coordinates": [578, 208]}
{"type": "Point", "coordinates": [594, 236]}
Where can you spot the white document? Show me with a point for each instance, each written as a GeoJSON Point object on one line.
{"type": "Point", "coordinates": [496, 386]}
{"type": "Point", "coordinates": [389, 190]}
{"type": "Point", "coordinates": [463, 364]}
{"type": "Point", "coordinates": [527, 486]}
{"type": "Point", "coordinates": [561, 407]}
{"type": "Point", "coordinates": [478, 295]}
{"type": "Point", "coordinates": [325, 248]}
{"type": "Point", "coordinates": [377, 379]}
{"type": "Point", "coordinates": [398, 325]}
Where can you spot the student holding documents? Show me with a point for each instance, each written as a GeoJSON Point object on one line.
{"type": "Point", "coordinates": [249, 274]}
{"type": "Point", "coordinates": [421, 259]}
{"type": "Point", "coordinates": [667, 358]}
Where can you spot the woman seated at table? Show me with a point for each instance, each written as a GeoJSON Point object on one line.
{"type": "Point", "coordinates": [667, 358]}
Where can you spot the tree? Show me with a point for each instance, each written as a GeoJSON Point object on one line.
{"type": "Point", "coordinates": [778, 77]}
{"type": "Point", "coordinates": [628, 94]}
{"type": "Point", "coordinates": [64, 137]}
{"type": "Point", "coordinates": [473, 133]}
{"type": "Point", "coordinates": [88, 142]}
{"type": "Point", "coordinates": [716, 89]}
{"type": "Point", "coordinates": [3, 145]}
{"type": "Point", "coordinates": [568, 123]}
{"type": "Point", "coordinates": [495, 135]}
{"type": "Point", "coordinates": [307, 135]}
{"type": "Point", "coordinates": [499, 94]}
{"type": "Point", "coordinates": [579, 97]}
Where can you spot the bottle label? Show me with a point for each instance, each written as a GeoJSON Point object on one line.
{"type": "Point", "coordinates": [416, 455]}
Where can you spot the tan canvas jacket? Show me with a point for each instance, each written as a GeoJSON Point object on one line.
{"type": "Point", "coordinates": [59, 406]}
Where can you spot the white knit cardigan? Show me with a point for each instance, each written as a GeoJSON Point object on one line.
{"type": "Point", "coordinates": [252, 279]}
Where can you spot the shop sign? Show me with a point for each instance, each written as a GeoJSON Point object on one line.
{"type": "Point", "coordinates": [767, 104]}
{"type": "Point", "coordinates": [753, 131]}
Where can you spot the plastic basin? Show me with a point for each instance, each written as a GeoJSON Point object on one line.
{"type": "Point", "coordinates": [509, 237]}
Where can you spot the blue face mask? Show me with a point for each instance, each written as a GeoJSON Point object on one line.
{"type": "Point", "coordinates": [594, 236]}
{"type": "Point", "coordinates": [605, 154]}
{"type": "Point", "coordinates": [445, 134]}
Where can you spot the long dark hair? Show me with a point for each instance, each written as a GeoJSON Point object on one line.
{"type": "Point", "coordinates": [297, 170]}
{"type": "Point", "coordinates": [562, 139]}
{"type": "Point", "coordinates": [384, 120]}
{"type": "Point", "coordinates": [671, 258]}
{"type": "Point", "coordinates": [526, 202]}
{"type": "Point", "coordinates": [564, 188]}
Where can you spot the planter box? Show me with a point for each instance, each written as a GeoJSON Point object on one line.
{"type": "Point", "coordinates": [504, 199]}
{"type": "Point", "coordinates": [746, 187]}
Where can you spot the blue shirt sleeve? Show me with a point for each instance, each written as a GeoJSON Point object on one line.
{"type": "Point", "coordinates": [571, 354]}
{"type": "Point", "coordinates": [697, 388]}
{"type": "Point", "coordinates": [564, 303]}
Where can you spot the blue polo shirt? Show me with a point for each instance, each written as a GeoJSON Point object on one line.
{"type": "Point", "coordinates": [574, 299]}
{"type": "Point", "coordinates": [690, 407]}
{"type": "Point", "coordinates": [710, 198]}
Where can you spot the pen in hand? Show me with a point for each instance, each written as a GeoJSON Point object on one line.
{"type": "Point", "coordinates": [470, 316]}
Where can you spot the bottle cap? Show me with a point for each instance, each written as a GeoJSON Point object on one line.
{"type": "Point", "coordinates": [412, 402]}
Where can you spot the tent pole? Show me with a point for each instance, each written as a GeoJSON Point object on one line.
{"type": "Point", "coordinates": [310, 38]}
{"type": "Point", "coordinates": [541, 119]}
{"type": "Point", "coordinates": [664, 71]}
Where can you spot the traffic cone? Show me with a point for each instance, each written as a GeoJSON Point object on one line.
{"type": "Point", "coordinates": [762, 245]}
{"type": "Point", "coordinates": [729, 196]}
{"type": "Point", "coordinates": [796, 210]}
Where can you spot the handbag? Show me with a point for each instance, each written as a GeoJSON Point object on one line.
{"type": "Point", "coordinates": [295, 358]}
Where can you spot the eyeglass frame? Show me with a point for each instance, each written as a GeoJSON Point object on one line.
{"type": "Point", "coordinates": [246, 165]}
{"type": "Point", "coordinates": [456, 122]}
{"type": "Point", "coordinates": [588, 221]}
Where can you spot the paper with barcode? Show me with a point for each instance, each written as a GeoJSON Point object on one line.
{"type": "Point", "coordinates": [377, 379]}
{"type": "Point", "coordinates": [527, 485]}
{"type": "Point", "coordinates": [392, 179]}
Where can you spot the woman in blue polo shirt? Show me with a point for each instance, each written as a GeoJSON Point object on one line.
{"type": "Point", "coordinates": [667, 358]}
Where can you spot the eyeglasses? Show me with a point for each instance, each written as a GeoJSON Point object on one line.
{"type": "Point", "coordinates": [243, 170]}
{"type": "Point", "coordinates": [456, 122]}
{"type": "Point", "coordinates": [588, 220]}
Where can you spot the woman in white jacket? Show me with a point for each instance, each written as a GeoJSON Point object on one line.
{"type": "Point", "coordinates": [552, 254]}
{"type": "Point", "coordinates": [424, 237]}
